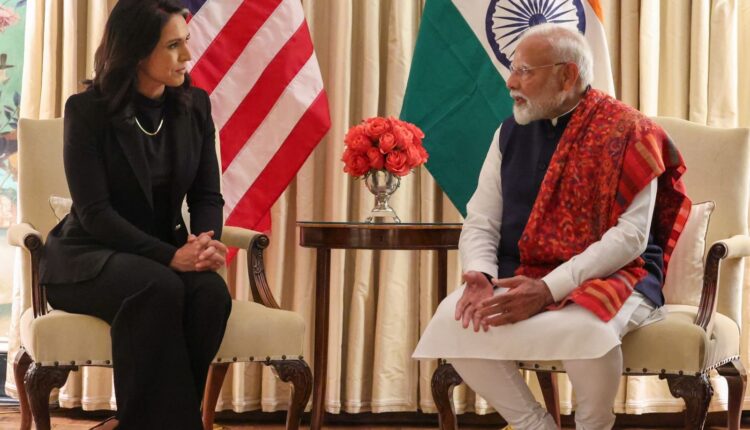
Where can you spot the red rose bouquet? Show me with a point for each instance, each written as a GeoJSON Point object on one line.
{"type": "Point", "coordinates": [383, 144]}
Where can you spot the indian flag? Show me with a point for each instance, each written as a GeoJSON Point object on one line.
{"type": "Point", "coordinates": [456, 91]}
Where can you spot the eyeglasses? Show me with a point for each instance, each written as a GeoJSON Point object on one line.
{"type": "Point", "coordinates": [525, 71]}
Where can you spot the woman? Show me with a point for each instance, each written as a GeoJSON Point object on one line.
{"type": "Point", "coordinates": [137, 142]}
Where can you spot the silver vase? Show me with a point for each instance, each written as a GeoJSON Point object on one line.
{"type": "Point", "coordinates": [382, 184]}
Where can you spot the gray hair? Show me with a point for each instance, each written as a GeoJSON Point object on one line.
{"type": "Point", "coordinates": [567, 45]}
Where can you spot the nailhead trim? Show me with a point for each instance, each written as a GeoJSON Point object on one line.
{"type": "Point", "coordinates": [627, 369]}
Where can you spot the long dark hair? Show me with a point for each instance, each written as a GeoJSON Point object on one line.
{"type": "Point", "coordinates": [131, 34]}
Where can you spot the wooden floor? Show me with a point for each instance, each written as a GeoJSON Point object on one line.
{"type": "Point", "coordinates": [77, 420]}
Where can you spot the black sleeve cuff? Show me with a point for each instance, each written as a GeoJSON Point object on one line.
{"type": "Point", "coordinates": [488, 276]}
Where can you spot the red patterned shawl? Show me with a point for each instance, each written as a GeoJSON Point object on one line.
{"type": "Point", "coordinates": [607, 154]}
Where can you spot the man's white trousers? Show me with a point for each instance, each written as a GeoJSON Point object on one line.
{"type": "Point", "coordinates": [595, 383]}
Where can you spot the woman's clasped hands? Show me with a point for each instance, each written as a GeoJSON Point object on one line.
{"type": "Point", "coordinates": [200, 253]}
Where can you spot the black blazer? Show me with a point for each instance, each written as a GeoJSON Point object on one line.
{"type": "Point", "coordinates": [110, 184]}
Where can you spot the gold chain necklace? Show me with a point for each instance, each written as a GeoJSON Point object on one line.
{"type": "Point", "coordinates": [147, 132]}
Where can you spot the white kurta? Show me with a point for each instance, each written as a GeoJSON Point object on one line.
{"type": "Point", "coordinates": [569, 333]}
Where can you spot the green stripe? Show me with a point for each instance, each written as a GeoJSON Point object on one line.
{"type": "Point", "coordinates": [456, 95]}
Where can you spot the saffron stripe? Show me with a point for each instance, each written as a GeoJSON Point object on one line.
{"type": "Point", "coordinates": [597, 8]}
{"type": "Point", "coordinates": [231, 41]}
{"type": "Point", "coordinates": [259, 198]}
{"type": "Point", "coordinates": [260, 100]}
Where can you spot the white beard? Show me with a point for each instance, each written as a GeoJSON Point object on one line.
{"type": "Point", "coordinates": [542, 108]}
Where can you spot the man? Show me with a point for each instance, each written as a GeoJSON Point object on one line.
{"type": "Point", "coordinates": [578, 207]}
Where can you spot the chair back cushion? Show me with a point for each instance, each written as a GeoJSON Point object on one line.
{"type": "Point", "coordinates": [718, 169]}
{"type": "Point", "coordinates": [40, 171]}
{"type": "Point", "coordinates": [684, 281]}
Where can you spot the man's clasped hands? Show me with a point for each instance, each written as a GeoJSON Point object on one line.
{"type": "Point", "coordinates": [479, 307]}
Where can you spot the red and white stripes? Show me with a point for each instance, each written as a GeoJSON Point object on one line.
{"type": "Point", "coordinates": [256, 61]}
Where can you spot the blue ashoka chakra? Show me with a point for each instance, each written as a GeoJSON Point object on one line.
{"type": "Point", "coordinates": [508, 20]}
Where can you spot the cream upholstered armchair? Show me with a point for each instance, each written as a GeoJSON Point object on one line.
{"type": "Point", "coordinates": [698, 335]}
{"type": "Point", "coordinates": [54, 342]}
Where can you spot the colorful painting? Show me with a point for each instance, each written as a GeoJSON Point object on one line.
{"type": "Point", "coordinates": [12, 23]}
{"type": "Point", "coordinates": [12, 18]}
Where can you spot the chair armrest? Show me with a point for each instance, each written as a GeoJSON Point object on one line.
{"type": "Point", "coordinates": [18, 234]}
{"type": "Point", "coordinates": [25, 236]}
{"type": "Point", "coordinates": [238, 237]}
{"type": "Point", "coordinates": [734, 247]}
{"type": "Point", "coordinates": [254, 242]}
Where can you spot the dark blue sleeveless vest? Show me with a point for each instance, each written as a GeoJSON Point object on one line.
{"type": "Point", "coordinates": [527, 151]}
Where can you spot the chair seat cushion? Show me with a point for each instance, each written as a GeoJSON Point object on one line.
{"type": "Point", "coordinates": [62, 338]}
{"type": "Point", "coordinates": [257, 333]}
{"type": "Point", "coordinates": [254, 333]}
{"type": "Point", "coordinates": [672, 345]}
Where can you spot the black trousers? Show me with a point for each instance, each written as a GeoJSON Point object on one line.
{"type": "Point", "coordinates": [166, 328]}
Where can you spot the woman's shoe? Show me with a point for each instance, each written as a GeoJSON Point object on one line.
{"type": "Point", "coordinates": [109, 423]}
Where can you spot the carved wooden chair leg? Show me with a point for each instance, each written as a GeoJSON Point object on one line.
{"type": "Point", "coordinates": [548, 384]}
{"type": "Point", "coordinates": [696, 391]}
{"type": "Point", "coordinates": [39, 383]}
{"type": "Point", "coordinates": [298, 373]}
{"type": "Point", "coordinates": [444, 379]}
{"type": "Point", "coordinates": [20, 367]}
{"type": "Point", "coordinates": [736, 377]}
{"type": "Point", "coordinates": [216, 374]}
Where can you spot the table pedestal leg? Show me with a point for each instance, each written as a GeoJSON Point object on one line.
{"type": "Point", "coordinates": [322, 299]}
{"type": "Point", "coordinates": [442, 274]}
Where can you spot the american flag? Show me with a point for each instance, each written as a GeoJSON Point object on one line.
{"type": "Point", "coordinates": [256, 61]}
